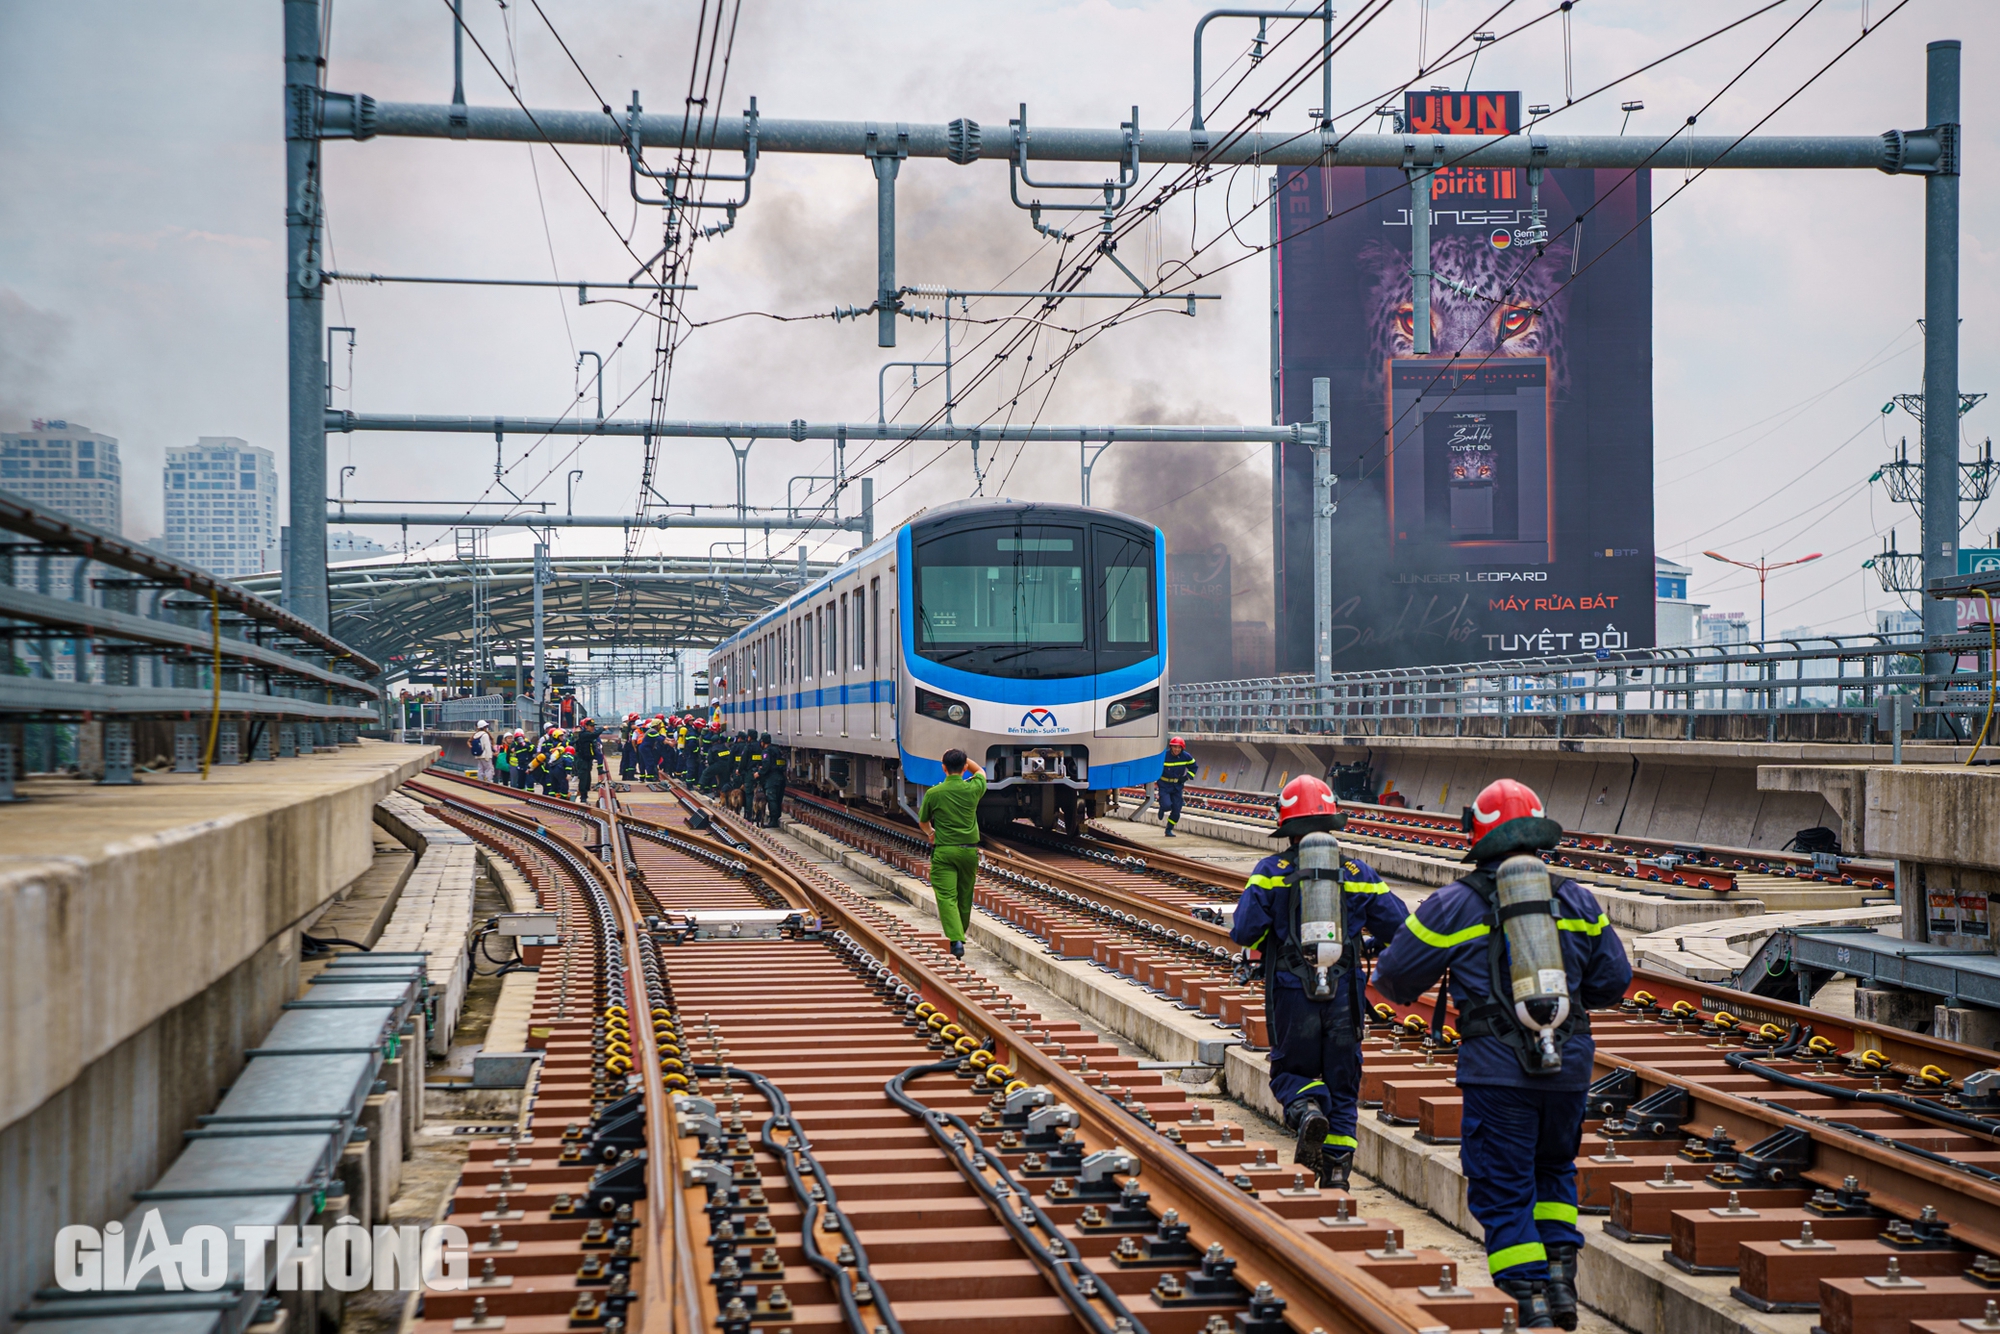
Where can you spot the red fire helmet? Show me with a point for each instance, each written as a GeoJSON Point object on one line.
{"type": "Point", "coordinates": [1306, 806]}
{"type": "Point", "coordinates": [1176, 741]}
{"type": "Point", "coordinates": [1507, 817]}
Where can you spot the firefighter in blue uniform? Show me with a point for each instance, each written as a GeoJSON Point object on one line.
{"type": "Point", "coordinates": [1315, 1044]}
{"type": "Point", "coordinates": [1525, 955]}
{"type": "Point", "coordinates": [1174, 774]}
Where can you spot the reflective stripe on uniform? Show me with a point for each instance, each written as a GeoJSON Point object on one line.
{"type": "Point", "coordinates": [1579, 924]}
{"type": "Point", "coordinates": [1555, 1213]}
{"type": "Point", "coordinates": [1267, 882]}
{"type": "Point", "coordinates": [1342, 1141]}
{"type": "Point", "coordinates": [1526, 1253]}
{"type": "Point", "coordinates": [1364, 887]}
{"type": "Point", "coordinates": [1316, 1084]}
{"type": "Point", "coordinates": [1439, 940]}
{"type": "Point", "coordinates": [1258, 943]}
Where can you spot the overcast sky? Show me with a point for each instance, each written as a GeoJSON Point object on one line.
{"type": "Point", "coordinates": [141, 249]}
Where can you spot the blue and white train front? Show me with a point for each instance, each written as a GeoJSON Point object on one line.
{"type": "Point", "coordinates": [1033, 638]}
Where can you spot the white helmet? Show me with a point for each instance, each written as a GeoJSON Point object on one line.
{"type": "Point", "coordinates": [482, 724]}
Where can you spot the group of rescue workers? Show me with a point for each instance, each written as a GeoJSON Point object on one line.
{"type": "Point", "coordinates": [742, 766]}
{"type": "Point", "coordinates": [1523, 955]}
{"type": "Point", "coordinates": [547, 762]}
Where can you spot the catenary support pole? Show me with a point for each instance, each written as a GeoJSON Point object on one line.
{"type": "Point", "coordinates": [1420, 260]}
{"type": "Point", "coordinates": [541, 656]}
{"type": "Point", "coordinates": [867, 511]}
{"type": "Point", "coordinates": [888, 160]}
{"type": "Point", "coordinates": [1940, 428]}
{"type": "Point", "coordinates": [1323, 529]}
{"type": "Point", "coordinates": [305, 557]}
{"type": "Point", "coordinates": [1277, 309]}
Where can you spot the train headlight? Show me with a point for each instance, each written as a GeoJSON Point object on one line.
{"type": "Point", "coordinates": [1133, 708]}
{"type": "Point", "coordinates": [943, 709]}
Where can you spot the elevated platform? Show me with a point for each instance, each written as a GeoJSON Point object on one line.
{"type": "Point", "coordinates": [148, 936]}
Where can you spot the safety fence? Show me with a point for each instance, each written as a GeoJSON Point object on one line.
{"type": "Point", "coordinates": [94, 629]}
{"type": "Point", "coordinates": [1833, 689]}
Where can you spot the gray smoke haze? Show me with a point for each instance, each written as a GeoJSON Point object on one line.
{"type": "Point", "coordinates": [1200, 495]}
{"type": "Point", "coordinates": [146, 260]}
{"type": "Point", "coordinates": [33, 344]}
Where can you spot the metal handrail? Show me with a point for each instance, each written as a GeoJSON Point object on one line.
{"type": "Point", "coordinates": [1832, 677]}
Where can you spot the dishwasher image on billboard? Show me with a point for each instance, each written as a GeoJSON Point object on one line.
{"type": "Point", "coordinates": [1472, 459]}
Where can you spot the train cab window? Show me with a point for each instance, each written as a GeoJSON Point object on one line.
{"type": "Point", "coordinates": [1124, 589]}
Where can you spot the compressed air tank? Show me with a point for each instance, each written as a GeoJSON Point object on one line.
{"type": "Point", "coordinates": [1322, 922]}
{"type": "Point", "coordinates": [1539, 982]}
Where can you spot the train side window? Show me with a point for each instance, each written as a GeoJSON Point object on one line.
{"type": "Point", "coordinates": [860, 657]}
{"type": "Point", "coordinates": [874, 640]}
{"type": "Point", "coordinates": [845, 657]}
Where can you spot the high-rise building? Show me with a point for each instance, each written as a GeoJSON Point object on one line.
{"type": "Point", "coordinates": [1674, 616]}
{"type": "Point", "coordinates": [222, 506]}
{"type": "Point", "coordinates": [1723, 627]}
{"type": "Point", "coordinates": [1900, 621]}
{"type": "Point", "coordinates": [68, 468]}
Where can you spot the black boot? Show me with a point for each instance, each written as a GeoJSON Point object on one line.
{"type": "Point", "coordinates": [1562, 1284]}
{"type": "Point", "coordinates": [1532, 1297]}
{"type": "Point", "coordinates": [1308, 1119]}
{"type": "Point", "coordinates": [1335, 1167]}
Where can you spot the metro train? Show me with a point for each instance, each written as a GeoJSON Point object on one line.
{"type": "Point", "coordinates": [1031, 636]}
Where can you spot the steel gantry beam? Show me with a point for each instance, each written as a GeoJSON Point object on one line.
{"type": "Point", "coordinates": [356, 116]}
{"type": "Point", "coordinates": [1301, 433]}
{"type": "Point", "coordinates": [316, 114]}
{"type": "Point", "coordinates": [733, 522]}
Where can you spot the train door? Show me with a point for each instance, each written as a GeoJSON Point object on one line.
{"type": "Point", "coordinates": [818, 626]}
{"type": "Point", "coordinates": [845, 661]}
{"type": "Point", "coordinates": [871, 655]}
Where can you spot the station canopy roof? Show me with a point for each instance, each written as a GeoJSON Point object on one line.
{"type": "Point", "coordinates": [417, 612]}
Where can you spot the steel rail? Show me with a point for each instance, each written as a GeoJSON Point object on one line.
{"type": "Point", "coordinates": [663, 1309]}
{"type": "Point", "coordinates": [672, 1294]}
{"type": "Point", "coordinates": [1321, 1286]}
{"type": "Point", "coordinates": [1179, 919]}
{"type": "Point", "coordinates": [1910, 1182]}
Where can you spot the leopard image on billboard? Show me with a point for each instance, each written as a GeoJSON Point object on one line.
{"type": "Point", "coordinates": [1495, 497]}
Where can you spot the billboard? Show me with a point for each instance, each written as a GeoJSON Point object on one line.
{"type": "Point", "coordinates": [1496, 496]}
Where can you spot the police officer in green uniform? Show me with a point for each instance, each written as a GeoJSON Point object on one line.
{"type": "Point", "coordinates": [949, 817]}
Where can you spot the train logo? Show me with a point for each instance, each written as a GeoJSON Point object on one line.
{"type": "Point", "coordinates": [1038, 720]}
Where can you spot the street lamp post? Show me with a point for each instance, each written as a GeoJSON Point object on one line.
{"type": "Point", "coordinates": [1763, 569]}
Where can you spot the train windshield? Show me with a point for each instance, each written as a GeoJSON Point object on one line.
{"type": "Point", "coordinates": [1035, 600]}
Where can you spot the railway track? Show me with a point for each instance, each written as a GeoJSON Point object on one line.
{"type": "Point", "coordinates": [808, 1116]}
{"type": "Point", "coordinates": [1647, 864]}
{"type": "Point", "coordinates": [1824, 1166]}
{"type": "Point", "coordinates": [1118, 919]}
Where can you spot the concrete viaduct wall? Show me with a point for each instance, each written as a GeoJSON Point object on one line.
{"type": "Point", "coordinates": [1686, 791]}
{"type": "Point", "coordinates": [148, 935]}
